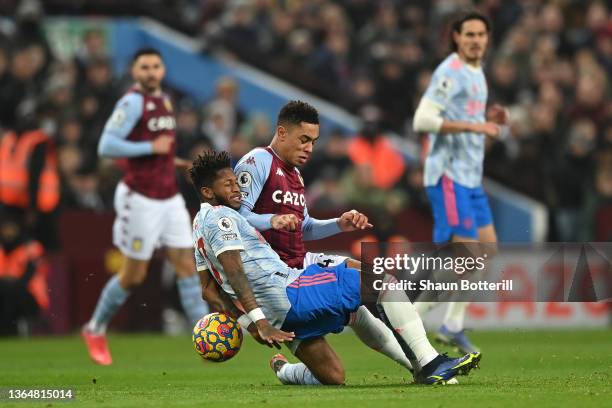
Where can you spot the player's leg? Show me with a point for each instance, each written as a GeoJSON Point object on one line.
{"type": "Point", "coordinates": [320, 365]}
{"type": "Point", "coordinates": [398, 312]}
{"type": "Point", "coordinates": [188, 282]}
{"type": "Point", "coordinates": [443, 201]}
{"type": "Point", "coordinates": [136, 231]}
{"type": "Point", "coordinates": [369, 329]}
{"type": "Point", "coordinates": [131, 274]}
{"type": "Point", "coordinates": [483, 231]}
{"type": "Point", "coordinates": [176, 236]}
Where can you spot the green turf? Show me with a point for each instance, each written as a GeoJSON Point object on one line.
{"type": "Point", "coordinates": [519, 369]}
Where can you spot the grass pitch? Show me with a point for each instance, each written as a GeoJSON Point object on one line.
{"type": "Point", "coordinates": [518, 369]}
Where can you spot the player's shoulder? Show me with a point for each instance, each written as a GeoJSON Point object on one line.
{"type": "Point", "coordinates": [216, 213]}
{"type": "Point", "coordinates": [131, 100]}
{"type": "Point", "coordinates": [450, 66]}
{"type": "Point", "coordinates": [257, 156]}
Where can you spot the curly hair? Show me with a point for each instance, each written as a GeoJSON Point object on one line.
{"type": "Point", "coordinates": [206, 166]}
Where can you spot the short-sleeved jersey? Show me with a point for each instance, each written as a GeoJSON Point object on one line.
{"type": "Point", "coordinates": [271, 186]}
{"type": "Point", "coordinates": [217, 229]}
{"type": "Point", "coordinates": [461, 93]}
{"type": "Point", "coordinates": [153, 175]}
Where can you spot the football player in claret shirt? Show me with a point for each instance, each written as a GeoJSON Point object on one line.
{"type": "Point", "coordinates": [273, 201]}
{"type": "Point", "coordinates": [284, 304]}
{"type": "Point", "coordinates": [150, 210]}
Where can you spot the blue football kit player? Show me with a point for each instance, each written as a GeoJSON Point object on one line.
{"type": "Point", "coordinates": [280, 303]}
{"type": "Point", "coordinates": [452, 111]}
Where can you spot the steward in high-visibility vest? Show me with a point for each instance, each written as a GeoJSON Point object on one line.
{"type": "Point", "coordinates": [23, 272]}
{"type": "Point", "coordinates": [24, 182]}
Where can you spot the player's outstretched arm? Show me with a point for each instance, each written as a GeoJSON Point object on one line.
{"type": "Point", "coordinates": [232, 265]}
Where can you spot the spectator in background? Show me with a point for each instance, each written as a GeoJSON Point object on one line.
{"type": "Point", "coordinates": [332, 156]}
{"type": "Point", "coordinates": [372, 149]}
{"type": "Point", "coordinates": [93, 48]}
{"type": "Point", "coordinates": [257, 130]}
{"type": "Point", "coordinates": [23, 274]}
{"type": "Point", "coordinates": [28, 176]}
{"type": "Point", "coordinates": [21, 85]}
{"type": "Point", "coordinates": [573, 181]}
{"type": "Point", "coordinates": [99, 83]}
{"type": "Point", "coordinates": [188, 132]}
{"type": "Point", "coordinates": [222, 115]}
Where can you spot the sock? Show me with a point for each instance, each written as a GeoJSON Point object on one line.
{"type": "Point", "coordinates": [406, 322]}
{"type": "Point", "coordinates": [111, 299]}
{"type": "Point", "coordinates": [400, 315]}
{"type": "Point", "coordinates": [424, 307]}
{"type": "Point", "coordinates": [190, 293]}
{"type": "Point", "coordinates": [376, 335]}
{"type": "Point", "coordinates": [453, 320]}
{"type": "Point", "coordinates": [297, 374]}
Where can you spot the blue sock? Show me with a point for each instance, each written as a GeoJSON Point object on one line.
{"type": "Point", "coordinates": [111, 299]}
{"type": "Point", "coordinates": [190, 292]}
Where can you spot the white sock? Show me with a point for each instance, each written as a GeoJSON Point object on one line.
{"type": "Point", "coordinates": [424, 307]}
{"type": "Point", "coordinates": [408, 325]}
{"type": "Point", "coordinates": [296, 374]}
{"type": "Point", "coordinates": [404, 319]}
{"type": "Point", "coordinates": [455, 314]}
{"type": "Point", "coordinates": [376, 335]}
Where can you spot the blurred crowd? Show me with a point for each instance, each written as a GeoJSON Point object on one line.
{"type": "Point", "coordinates": [549, 63]}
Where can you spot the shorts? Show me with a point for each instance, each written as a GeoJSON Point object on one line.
{"type": "Point", "coordinates": [323, 260]}
{"type": "Point", "coordinates": [142, 224]}
{"type": "Point", "coordinates": [322, 300]}
{"type": "Point", "coordinates": [457, 210]}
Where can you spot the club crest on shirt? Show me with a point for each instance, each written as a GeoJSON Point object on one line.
{"type": "Point", "coordinates": [225, 224]}
{"type": "Point", "coordinates": [137, 244]}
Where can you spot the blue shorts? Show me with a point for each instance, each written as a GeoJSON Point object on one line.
{"type": "Point", "coordinates": [457, 210]}
{"type": "Point", "coordinates": [321, 300]}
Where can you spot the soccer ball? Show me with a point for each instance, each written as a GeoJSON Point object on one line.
{"type": "Point", "coordinates": [217, 337]}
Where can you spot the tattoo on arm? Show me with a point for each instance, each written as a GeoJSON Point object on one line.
{"type": "Point", "coordinates": [232, 265]}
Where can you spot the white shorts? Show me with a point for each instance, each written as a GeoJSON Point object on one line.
{"type": "Point", "coordinates": [323, 260]}
{"type": "Point", "coordinates": [143, 224]}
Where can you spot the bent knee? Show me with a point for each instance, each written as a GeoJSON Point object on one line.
{"type": "Point", "coordinates": [334, 376]}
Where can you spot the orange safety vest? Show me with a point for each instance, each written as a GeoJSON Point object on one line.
{"type": "Point", "coordinates": [15, 153]}
{"type": "Point", "coordinates": [14, 264]}
{"type": "Point", "coordinates": [387, 164]}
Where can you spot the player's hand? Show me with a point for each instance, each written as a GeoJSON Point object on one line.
{"type": "Point", "coordinates": [488, 128]}
{"type": "Point", "coordinates": [285, 222]}
{"type": "Point", "coordinates": [497, 114]}
{"type": "Point", "coordinates": [162, 144]}
{"type": "Point", "coordinates": [271, 335]}
{"type": "Point", "coordinates": [353, 220]}
{"type": "Point", "coordinates": [252, 329]}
